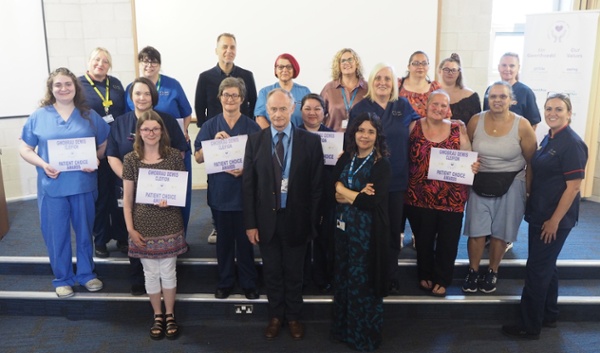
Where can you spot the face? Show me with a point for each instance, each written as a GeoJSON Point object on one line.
{"type": "Point", "coordinates": [418, 65]}
{"type": "Point", "coordinates": [99, 65]}
{"type": "Point", "coordinates": [63, 88]}
{"type": "Point", "coordinates": [280, 109]}
{"type": "Point", "coordinates": [450, 71]}
{"type": "Point", "coordinates": [382, 84]}
{"type": "Point", "coordinates": [556, 114]}
{"type": "Point", "coordinates": [348, 64]}
{"type": "Point", "coordinates": [508, 68]}
{"type": "Point", "coordinates": [312, 113]}
{"type": "Point", "coordinates": [141, 97]}
{"type": "Point", "coordinates": [150, 132]}
{"type": "Point", "coordinates": [226, 50]}
{"type": "Point", "coordinates": [499, 99]}
{"type": "Point", "coordinates": [285, 71]}
{"type": "Point", "coordinates": [366, 135]}
{"type": "Point", "coordinates": [231, 99]}
{"type": "Point", "coordinates": [437, 108]}
{"type": "Point", "coordinates": [149, 68]}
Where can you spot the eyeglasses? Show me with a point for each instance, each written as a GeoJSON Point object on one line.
{"type": "Point", "coordinates": [146, 130]}
{"type": "Point", "coordinates": [234, 96]}
{"type": "Point", "coordinates": [284, 67]}
{"type": "Point", "coordinates": [149, 63]}
{"type": "Point", "coordinates": [419, 63]}
{"type": "Point", "coordinates": [497, 96]}
{"type": "Point", "coordinates": [450, 71]}
{"type": "Point", "coordinates": [348, 60]}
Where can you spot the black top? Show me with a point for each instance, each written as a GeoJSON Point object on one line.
{"type": "Point", "coordinates": [465, 108]}
{"type": "Point", "coordinates": [208, 105]}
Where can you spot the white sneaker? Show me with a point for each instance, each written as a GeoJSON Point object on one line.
{"type": "Point", "coordinates": [64, 291]}
{"type": "Point", "coordinates": [93, 285]}
{"type": "Point", "coordinates": [401, 240]}
{"type": "Point", "coordinates": [212, 237]}
{"type": "Point", "coordinates": [508, 247]}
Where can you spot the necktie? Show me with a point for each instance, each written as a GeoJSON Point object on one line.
{"type": "Point", "coordinates": [278, 164]}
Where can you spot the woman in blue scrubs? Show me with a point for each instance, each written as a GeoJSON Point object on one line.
{"type": "Point", "coordinates": [552, 211]}
{"type": "Point", "coordinates": [65, 199]}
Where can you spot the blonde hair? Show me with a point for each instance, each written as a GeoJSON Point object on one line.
{"type": "Point", "coordinates": [376, 69]}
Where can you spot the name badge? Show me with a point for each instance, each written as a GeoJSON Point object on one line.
{"type": "Point", "coordinates": [284, 185]}
{"type": "Point", "coordinates": [120, 203]}
{"type": "Point", "coordinates": [341, 225]}
{"type": "Point", "coordinates": [345, 124]}
{"type": "Point", "coordinates": [108, 118]}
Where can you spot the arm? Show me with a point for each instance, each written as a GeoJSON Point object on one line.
{"type": "Point", "coordinates": [101, 150]}
{"type": "Point", "coordinates": [550, 226]}
{"type": "Point", "coordinates": [186, 124]}
{"type": "Point", "coordinates": [262, 121]}
{"type": "Point", "coordinates": [528, 146]}
{"type": "Point", "coordinates": [249, 195]}
{"type": "Point", "coordinates": [136, 237]}
{"type": "Point", "coordinates": [380, 178]}
{"type": "Point", "coordinates": [472, 126]}
{"type": "Point", "coordinates": [251, 96]}
{"type": "Point", "coordinates": [116, 165]}
{"type": "Point", "coordinates": [200, 102]}
{"type": "Point", "coordinates": [260, 111]}
{"type": "Point", "coordinates": [28, 154]}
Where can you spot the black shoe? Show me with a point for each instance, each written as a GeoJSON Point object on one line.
{"type": "Point", "coordinates": [101, 251]}
{"type": "Point", "coordinates": [518, 332]}
{"type": "Point", "coordinates": [138, 289]}
{"type": "Point", "coordinates": [251, 293]}
{"type": "Point", "coordinates": [123, 246]}
{"type": "Point", "coordinates": [222, 293]}
{"type": "Point", "coordinates": [325, 288]}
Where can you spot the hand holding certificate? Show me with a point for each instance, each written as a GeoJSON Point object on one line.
{"type": "Point", "coordinates": [333, 145]}
{"type": "Point", "coordinates": [157, 185]}
{"type": "Point", "coordinates": [222, 155]}
{"type": "Point", "coordinates": [76, 154]}
{"type": "Point", "coordinates": [451, 165]}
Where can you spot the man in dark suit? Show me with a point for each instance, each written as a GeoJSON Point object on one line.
{"type": "Point", "coordinates": [282, 189]}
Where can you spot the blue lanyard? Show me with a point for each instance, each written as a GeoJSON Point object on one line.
{"type": "Point", "coordinates": [348, 106]}
{"type": "Point", "coordinates": [352, 174]}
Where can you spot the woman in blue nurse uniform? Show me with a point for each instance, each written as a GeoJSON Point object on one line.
{"type": "Point", "coordinates": [65, 199]}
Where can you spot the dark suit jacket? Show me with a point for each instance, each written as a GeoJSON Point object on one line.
{"type": "Point", "coordinates": [304, 186]}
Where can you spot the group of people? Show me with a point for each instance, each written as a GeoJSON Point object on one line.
{"type": "Point", "coordinates": [340, 226]}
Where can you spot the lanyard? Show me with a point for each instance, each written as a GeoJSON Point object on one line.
{"type": "Point", "coordinates": [348, 106]}
{"type": "Point", "coordinates": [283, 164]}
{"type": "Point", "coordinates": [158, 84]}
{"type": "Point", "coordinates": [106, 102]}
{"type": "Point", "coordinates": [352, 174]}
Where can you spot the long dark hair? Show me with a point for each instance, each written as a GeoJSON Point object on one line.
{"type": "Point", "coordinates": [381, 149]}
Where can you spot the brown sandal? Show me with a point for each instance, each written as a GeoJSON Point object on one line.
{"type": "Point", "coordinates": [172, 330]}
{"type": "Point", "coordinates": [157, 331]}
{"type": "Point", "coordinates": [438, 291]}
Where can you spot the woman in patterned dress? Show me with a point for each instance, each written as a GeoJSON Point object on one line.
{"type": "Point", "coordinates": [156, 232]}
{"type": "Point", "coordinates": [362, 177]}
{"type": "Point", "coordinates": [435, 208]}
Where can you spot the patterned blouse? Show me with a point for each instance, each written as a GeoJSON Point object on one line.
{"type": "Point", "coordinates": [419, 100]}
{"type": "Point", "coordinates": [434, 194]}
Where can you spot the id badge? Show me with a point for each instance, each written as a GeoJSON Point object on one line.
{"type": "Point", "coordinates": [345, 124]}
{"type": "Point", "coordinates": [284, 185]}
{"type": "Point", "coordinates": [120, 203]}
{"type": "Point", "coordinates": [108, 118]}
{"type": "Point", "coordinates": [341, 225]}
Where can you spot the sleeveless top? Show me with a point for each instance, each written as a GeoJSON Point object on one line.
{"type": "Point", "coordinates": [499, 153]}
{"type": "Point", "coordinates": [433, 194]}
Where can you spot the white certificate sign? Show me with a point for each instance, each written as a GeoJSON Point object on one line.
{"type": "Point", "coordinates": [333, 145]}
{"type": "Point", "coordinates": [68, 155]}
{"type": "Point", "coordinates": [155, 185]}
{"type": "Point", "coordinates": [451, 165]}
{"type": "Point", "coordinates": [221, 155]}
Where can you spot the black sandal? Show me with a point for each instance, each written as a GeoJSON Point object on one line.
{"type": "Point", "coordinates": [157, 331]}
{"type": "Point", "coordinates": [172, 330]}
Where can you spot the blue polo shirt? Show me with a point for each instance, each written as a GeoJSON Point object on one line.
{"type": "Point", "coordinates": [224, 190]}
{"type": "Point", "coordinates": [558, 159]}
{"type": "Point", "coordinates": [395, 118]}
{"type": "Point", "coordinates": [297, 91]}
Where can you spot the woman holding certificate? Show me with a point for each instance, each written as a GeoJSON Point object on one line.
{"type": "Point", "coordinates": [155, 230]}
{"type": "Point", "coordinates": [144, 95]}
{"type": "Point", "coordinates": [65, 199]}
{"type": "Point", "coordinates": [225, 194]}
{"type": "Point", "coordinates": [435, 208]}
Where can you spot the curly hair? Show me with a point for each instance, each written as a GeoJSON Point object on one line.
{"type": "Point", "coordinates": [79, 98]}
{"type": "Point", "coordinates": [336, 72]}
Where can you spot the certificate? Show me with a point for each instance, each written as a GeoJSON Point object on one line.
{"type": "Point", "coordinates": [155, 185]}
{"type": "Point", "coordinates": [451, 165]}
{"type": "Point", "coordinates": [69, 155]}
{"type": "Point", "coordinates": [333, 145]}
{"type": "Point", "coordinates": [221, 155]}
